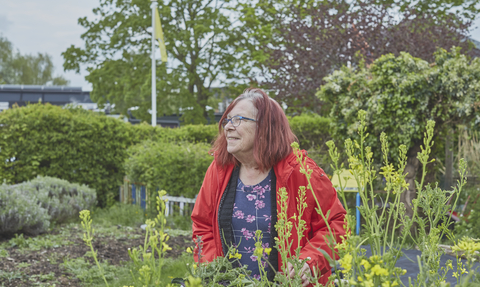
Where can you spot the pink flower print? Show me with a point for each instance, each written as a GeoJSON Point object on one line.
{"type": "Point", "coordinates": [269, 225]}
{"type": "Point", "coordinates": [254, 258]}
{"type": "Point", "coordinates": [248, 249]}
{"type": "Point", "coordinates": [267, 218]}
{"type": "Point", "coordinates": [257, 276]}
{"type": "Point", "coordinates": [247, 234]}
{"type": "Point", "coordinates": [265, 245]}
{"type": "Point", "coordinates": [251, 197]}
{"type": "Point", "coordinates": [250, 218]}
{"type": "Point", "coordinates": [259, 204]}
{"type": "Point", "coordinates": [238, 214]}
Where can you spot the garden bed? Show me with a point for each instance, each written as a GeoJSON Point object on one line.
{"type": "Point", "coordinates": [41, 260]}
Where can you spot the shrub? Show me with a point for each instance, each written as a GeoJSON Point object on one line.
{"type": "Point", "coordinates": [178, 168]}
{"type": "Point", "coordinates": [312, 130]}
{"type": "Point", "coordinates": [77, 145]}
{"type": "Point", "coordinates": [71, 143]}
{"type": "Point", "coordinates": [119, 214]}
{"type": "Point", "coordinates": [31, 206]}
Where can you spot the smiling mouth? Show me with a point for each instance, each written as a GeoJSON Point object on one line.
{"type": "Point", "coordinates": [232, 138]}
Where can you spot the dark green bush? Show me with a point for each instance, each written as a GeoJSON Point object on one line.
{"type": "Point", "coordinates": [30, 207]}
{"type": "Point", "coordinates": [178, 168]}
{"type": "Point", "coordinates": [312, 130]}
{"type": "Point", "coordinates": [77, 145]}
{"type": "Point", "coordinates": [68, 143]}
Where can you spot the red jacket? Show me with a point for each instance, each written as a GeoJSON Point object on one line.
{"type": "Point", "coordinates": [205, 212]}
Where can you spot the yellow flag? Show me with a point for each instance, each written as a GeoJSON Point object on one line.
{"type": "Point", "coordinates": [159, 36]}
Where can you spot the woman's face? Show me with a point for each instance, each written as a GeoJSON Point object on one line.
{"type": "Point", "coordinates": [240, 139]}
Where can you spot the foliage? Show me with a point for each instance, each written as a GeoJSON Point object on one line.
{"type": "Point", "coordinates": [38, 242]}
{"type": "Point", "coordinates": [189, 133]}
{"type": "Point", "coordinates": [303, 41]}
{"type": "Point", "coordinates": [176, 167]}
{"type": "Point", "coordinates": [31, 206]}
{"type": "Point", "coordinates": [88, 238]}
{"type": "Point", "coordinates": [200, 40]}
{"type": "Point", "coordinates": [70, 143]}
{"type": "Point", "coordinates": [400, 94]}
{"type": "Point", "coordinates": [119, 214]}
{"type": "Point", "coordinates": [469, 224]}
{"type": "Point", "coordinates": [17, 69]}
{"type": "Point", "coordinates": [86, 273]}
{"type": "Point", "coordinates": [148, 270]}
{"type": "Point", "coordinates": [311, 130]}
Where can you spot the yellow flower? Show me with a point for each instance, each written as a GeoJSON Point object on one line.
{"type": "Point", "coordinates": [368, 283]}
{"type": "Point", "coordinates": [346, 262]}
{"type": "Point", "coordinates": [365, 264]}
{"type": "Point", "coordinates": [268, 250]}
{"type": "Point", "coordinates": [189, 250]}
{"type": "Point", "coordinates": [165, 247]}
{"type": "Point", "coordinates": [236, 255]}
{"type": "Point", "coordinates": [377, 270]}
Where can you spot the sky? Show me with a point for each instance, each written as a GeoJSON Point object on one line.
{"type": "Point", "coordinates": [51, 26]}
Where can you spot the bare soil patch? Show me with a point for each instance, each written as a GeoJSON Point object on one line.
{"type": "Point", "coordinates": [109, 248]}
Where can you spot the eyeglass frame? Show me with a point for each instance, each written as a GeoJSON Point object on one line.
{"type": "Point", "coordinates": [226, 121]}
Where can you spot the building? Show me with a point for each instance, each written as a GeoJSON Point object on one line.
{"type": "Point", "coordinates": [21, 95]}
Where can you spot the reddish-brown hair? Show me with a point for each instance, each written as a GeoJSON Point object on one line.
{"type": "Point", "coordinates": [273, 135]}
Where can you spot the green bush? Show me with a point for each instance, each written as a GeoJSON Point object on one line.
{"type": "Point", "coordinates": [68, 143]}
{"type": "Point", "coordinates": [77, 145]}
{"type": "Point", "coordinates": [312, 130]}
{"type": "Point", "coordinates": [31, 206]}
{"type": "Point", "coordinates": [119, 214]}
{"type": "Point", "coordinates": [178, 168]}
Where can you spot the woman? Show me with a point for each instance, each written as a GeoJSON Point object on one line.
{"type": "Point", "coordinates": [253, 159]}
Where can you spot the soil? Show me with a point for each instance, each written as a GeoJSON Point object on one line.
{"type": "Point", "coordinates": [108, 248]}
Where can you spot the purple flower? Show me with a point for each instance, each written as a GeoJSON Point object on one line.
{"type": "Point", "coordinates": [238, 214]}
{"type": "Point", "coordinates": [248, 249]}
{"type": "Point", "coordinates": [246, 233]}
{"type": "Point", "coordinates": [250, 218]}
{"type": "Point", "coordinates": [259, 204]}
{"type": "Point", "coordinates": [254, 258]}
{"type": "Point", "coordinates": [251, 197]}
{"type": "Point", "coordinates": [267, 218]}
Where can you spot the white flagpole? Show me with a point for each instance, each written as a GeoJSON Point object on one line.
{"type": "Point", "coordinates": [154, 80]}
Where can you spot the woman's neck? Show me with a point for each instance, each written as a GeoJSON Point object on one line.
{"type": "Point", "coordinates": [252, 175]}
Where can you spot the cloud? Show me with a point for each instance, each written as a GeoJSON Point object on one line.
{"type": "Point", "coordinates": [4, 23]}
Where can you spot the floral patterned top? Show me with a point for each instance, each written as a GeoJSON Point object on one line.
{"type": "Point", "coordinates": [252, 211]}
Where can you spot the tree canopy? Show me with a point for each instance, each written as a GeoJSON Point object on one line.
{"type": "Point", "coordinates": [400, 94]}
{"type": "Point", "coordinates": [18, 69]}
{"type": "Point", "coordinates": [201, 42]}
{"type": "Point", "coordinates": [307, 40]}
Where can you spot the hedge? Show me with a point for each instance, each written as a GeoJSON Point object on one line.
{"type": "Point", "coordinates": [77, 145]}
{"type": "Point", "coordinates": [91, 148]}
{"type": "Point", "coordinates": [177, 167]}
{"type": "Point", "coordinates": [31, 206]}
{"type": "Point", "coordinates": [71, 143]}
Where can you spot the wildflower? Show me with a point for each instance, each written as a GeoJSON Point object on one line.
{"type": "Point", "coordinates": [268, 250]}
{"type": "Point", "coordinates": [236, 255]}
{"type": "Point", "coordinates": [165, 247]}
{"type": "Point", "coordinates": [346, 262]}
{"type": "Point", "coordinates": [189, 250]}
{"type": "Point", "coordinates": [377, 270]}
{"type": "Point", "coordinates": [365, 264]}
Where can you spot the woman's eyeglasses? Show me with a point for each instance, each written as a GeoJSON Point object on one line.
{"type": "Point", "coordinates": [236, 120]}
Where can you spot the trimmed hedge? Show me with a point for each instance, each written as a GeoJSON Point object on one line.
{"type": "Point", "coordinates": [31, 206]}
{"type": "Point", "coordinates": [77, 145]}
{"type": "Point", "coordinates": [71, 143]}
{"type": "Point", "coordinates": [91, 148]}
{"type": "Point", "coordinates": [178, 168]}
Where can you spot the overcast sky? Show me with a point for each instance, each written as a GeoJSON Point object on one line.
{"type": "Point", "coordinates": [50, 26]}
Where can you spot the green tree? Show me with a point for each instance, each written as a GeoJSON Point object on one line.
{"type": "Point", "coordinates": [17, 69]}
{"type": "Point", "coordinates": [292, 45]}
{"type": "Point", "coordinates": [400, 94]}
{"type": "Point", "coordinates": [201, 42]}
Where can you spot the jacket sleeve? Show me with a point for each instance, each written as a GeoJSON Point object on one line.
{"type": "Point", "coordinates": [203, 217]}
{"type": "Point", "coordinates": [319, 233]}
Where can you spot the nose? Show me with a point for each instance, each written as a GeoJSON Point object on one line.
{"type": "Point", "coordinates": [229, 125]}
